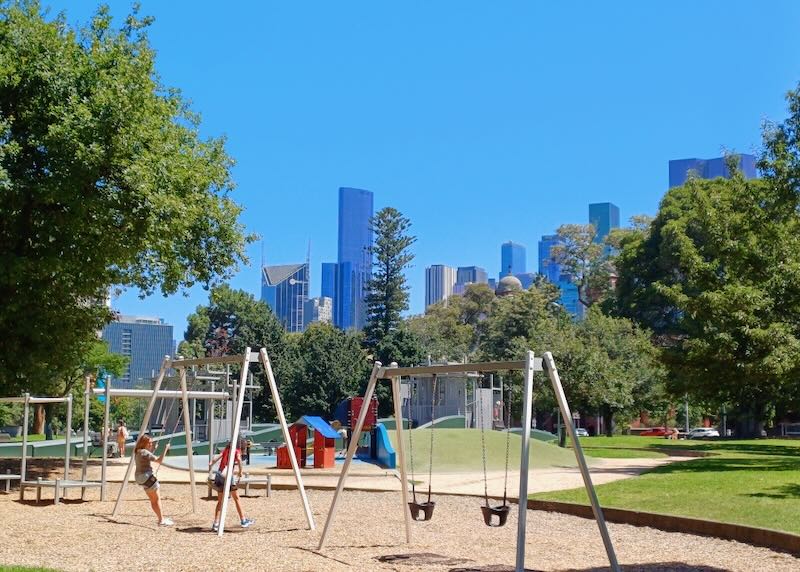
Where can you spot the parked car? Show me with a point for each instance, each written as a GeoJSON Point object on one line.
{"type": "Point", "coordinates": [702, 432]}
{"type": "Point", "coordinates": [581, 432]}
{"type": "Point", "coordinates": [656, 432]}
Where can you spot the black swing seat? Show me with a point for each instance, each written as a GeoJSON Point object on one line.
{"type": "Point", "coordinates": [500, 511]}
{"type": "Point", "coordinates": [426, 508]}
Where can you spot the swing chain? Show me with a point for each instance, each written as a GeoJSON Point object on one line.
{"type": "Point", "coordinates": [483, 446]}
{"type": "Point", "coordinates": [411, 441]}
{"type": "Point", "coordinates": [508, 439]}
{"type": "Point", "coordinates": [433, 419]}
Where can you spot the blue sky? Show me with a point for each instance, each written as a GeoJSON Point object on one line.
{"type": "Point", "coordinates": [482, 122]}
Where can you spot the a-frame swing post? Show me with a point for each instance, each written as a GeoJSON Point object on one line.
{"type": "Point", "coordinates": [527, 408]}
{"type": "Point", "coordinates": [558, 389]}
{"type": "Point", "coordinates": [165, 363]}
{"type": "Point", "coordinates": [276, 399]}
{"type": "Point", "coordinates": [237, 422]}
{"type": "Point", "coordinates": [401, 453]}
{"type": "Point", "coordinates": [87, 396]}
{"type": "Point", "coordinates": [187, 429]}
{"type": "Point", "coordinates": [351, 451]}
{"type": "Point", "coordinates": [104, 438]}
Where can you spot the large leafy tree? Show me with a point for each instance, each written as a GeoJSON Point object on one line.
{"type": "Point", "coordinates": [230, 322]}
{"type": "Point", "coordinates": [328, 365]}
{"type": "Point", "coordinates": [584, 260]}
{"type": "Point", "coordinates": [717, 278]}
{"type": "Point", "coordinates": [104, 180]}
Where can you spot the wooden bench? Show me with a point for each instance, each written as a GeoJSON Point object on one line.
{"type": "Point", "coordinates": [59, 486]}
{"type": "Point", "coordinates": [8, 477]}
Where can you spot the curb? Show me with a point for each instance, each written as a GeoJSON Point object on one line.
{"type": "Point", "coordinates": [764, 537]}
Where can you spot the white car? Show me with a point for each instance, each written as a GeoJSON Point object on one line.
{"type": "Point", "coordinates": [702, 433]}
{"type": "Point", "coordinates": [581, 432]}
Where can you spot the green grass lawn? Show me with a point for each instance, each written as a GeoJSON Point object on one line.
{"type": "Point", "coordinates": [24, 569]}
{"type": "Point", "coordinates": [748, 482]}
{"type": "Point", "coordinates": [32, 438]}
{"type": "Point", "coordinates": [459, 450]}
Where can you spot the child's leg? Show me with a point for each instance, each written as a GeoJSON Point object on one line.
{"type": "Point", "coordinates": [235, 495]}
{"type": "Point", "coordinates": [218, 509]}
{"type": "Point", "coordinates": [155, 502]}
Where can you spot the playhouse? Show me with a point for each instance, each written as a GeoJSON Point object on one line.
{"type": "Point", "coordinates": [323, 449]}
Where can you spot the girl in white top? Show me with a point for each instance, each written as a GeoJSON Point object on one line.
{"type": "Point", "coordinates": [144, 456]}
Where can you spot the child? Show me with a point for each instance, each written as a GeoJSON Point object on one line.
{"type": "Point", "coordinates": [143, 454]}
{"type": "Point", "coordinates": [122, 437]}
{"type": "Point", "coordinates": [219, 483]}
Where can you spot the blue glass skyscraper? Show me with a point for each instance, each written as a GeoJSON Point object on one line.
{"type": "Point", "coordinates": [355, 257]}
{"type": "Point", "coordinates": [604, 217]}
{"type": "Point", "coordinates": [679, 169]}
{"type": "Point", "coordinates": [285, 289]}
{"type": "Point", "coordinates": [547, 265]}
{"type": "Point", "coordinates": [145, 341]}
{"type": "Point", "coordinates": [512, 259]}
{"type": "Point", "coordinates": [328, 289]}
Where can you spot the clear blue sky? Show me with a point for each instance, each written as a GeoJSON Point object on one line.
{"type": "Point", "coordinates": [482, 122]}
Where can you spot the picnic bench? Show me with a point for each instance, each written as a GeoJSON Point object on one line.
{"type": "Point", "coordinates": [8, 477]}
{"type": "Point", "coordinates": [59, 487]}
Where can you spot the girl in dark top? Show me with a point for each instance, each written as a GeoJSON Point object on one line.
{"type": "Point", "coordinates": [219, 483]}
{"type": "Point", "coordinates": [144, 456]}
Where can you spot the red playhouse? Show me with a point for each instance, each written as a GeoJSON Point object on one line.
{"type": "Point", "coordinates": [324, 448]}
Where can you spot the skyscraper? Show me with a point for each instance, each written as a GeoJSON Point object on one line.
{"type": "Point", "coordinates": [548, 267]}
{"type": "Point", "coordinates": [471, 275]}
{"type": "Point", "coordinates": [709, 168]}
{"type": "Point", "coordinates": [318, 310]}
{"type": "Point", "coordinates": [328, 289]}
{"type": "Point", "coordinates": [512, 259]}
{"type": "Point", "coordinates": [145, 341]}
{"type": "Point", "coordinates": [355, 257]}
{"type": "Point", "coordinates": [604, 217]}
{"type": "Point", "coordinates": [439, 283]}
{"type": "Point", "coordinates": [285, 289]}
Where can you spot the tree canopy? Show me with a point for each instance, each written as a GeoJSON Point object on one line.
{"type": "Point", "coordinates": [105, 181]}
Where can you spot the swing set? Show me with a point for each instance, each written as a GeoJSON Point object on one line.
{"type": "Point", "coordinates": [412, 509]}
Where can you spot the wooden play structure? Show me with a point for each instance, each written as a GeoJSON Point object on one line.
{"type": "Point", "coordinates": [324, 444]}
{"type": "Point", "coordinates": [528, 366]}
{"type": "Point", "coordinates": [238, 393]}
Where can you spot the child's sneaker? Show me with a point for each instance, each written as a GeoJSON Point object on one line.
{"type": "Point", "coordinates": [214, 527]}
{"type": "Point", "coordinates": [166, 522]}
{"type": "Point", "coordinates": [246, 522]}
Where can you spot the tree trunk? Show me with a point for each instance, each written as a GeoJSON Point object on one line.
{"type": "Point", "coordinates": [751, 422]}
{"type": "Point", "coordinates": [48, 421]}
{"type": "Point", "coordinates": [38, 419]}
{"type": "Point", "coordinates": [608, 421]}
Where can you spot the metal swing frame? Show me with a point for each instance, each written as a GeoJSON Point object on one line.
{"type": "Point", "coordinates": [528, 366]}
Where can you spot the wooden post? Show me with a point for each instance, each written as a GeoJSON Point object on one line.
{"type": "Point", "coordinates": [87, 395]}
{"type": "Point", "coordinates": [558, 389]}
{"type": "Point", "coordinates": [527, 400]}
{"type": "Point", "coordinates": [56, 492]}
{"type": "Point", "coordinates": [24, 462]}
{"type": "Point", "coordinates": [165, 364]}
{"type": "Point", "coordinates": [104, 439]}
{"type": "Point", "coordinates": [187, 427]}
{"type": "Point", "coordinates": [210, 416]}
{"type": "Point", "coordinates": [276, 399]}
{"type": "Point", "coordinates": [398, 416]}
{"type": "Point", "coordinates": [351, 451]}
{"type": "Point", "coordinates": [68, 444]}
{"type": "Point", "coordinates": [234, 439]}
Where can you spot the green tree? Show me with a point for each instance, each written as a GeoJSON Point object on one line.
{"type": "Point", "coordinates": [232, 321]}
{"type": "Point", "coordinates": [585, 260]}
{"type": "Point", "coordinates": [717, 278]}
{"type": "Point", "coordinates": [387, 291]}
{"type": "Point", "coordinates": [104, 180]}
{"type": "Point", "coordinates": [328, 365]}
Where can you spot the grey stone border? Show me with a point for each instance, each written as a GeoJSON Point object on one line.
{"type": "Point", "coordinates": [764, 537]}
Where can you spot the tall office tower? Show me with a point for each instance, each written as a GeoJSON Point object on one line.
{"type": "Point", "coordinates": [569, 297]}
{"type": "Point", "coordinates": [355, 258]}
{"type": "Point", "coordinates": [318, 310]}
{"type": "Point", "coordinates": [471, 275]}
{"type": "Point", "coordinates": [548, 267]}
{"type": "Point", "coordinates": [145, 341]}
{"type": "Point", "coordinates": [679, 169]}
{"type": "Point", "coordinates": [285, 289]}
{"type": "Point", "coordinates": [512, 259]}
{"type": "Point", "coordinates": [328, 289]}
{"type": "Point", "coordinates": [439, 283]}
{"type": "Point", "coordinates": [604, 217]}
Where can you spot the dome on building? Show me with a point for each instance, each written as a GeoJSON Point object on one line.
{"type": "Point", "coordinates": [508, 285]}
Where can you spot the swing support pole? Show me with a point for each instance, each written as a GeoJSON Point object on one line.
{"type": "Point", "coordinates": [401, 452]}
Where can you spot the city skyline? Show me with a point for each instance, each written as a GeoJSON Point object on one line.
{"type": "Point", "coordinates": [459, 135]}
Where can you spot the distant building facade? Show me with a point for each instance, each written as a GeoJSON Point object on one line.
{"type": "Point", "coordinates": [604, 217]}
{"type": "Point", "coordinates": [526, 279]}
{"type": "Point", "coordinates": [346, 280]}
{"type": "Point", "coordinates": [318, 310]}
{"type": "Point", "coordinates": [679, 169]}
{"type": "Point", "coordinates": [512, 259]}
{"type": "Point", "coordinates": [145, 341]}
{"type": "Point", "coordinates": [548, 267]}
{"type": "Point", "coordinates": [439, 283]}
{"type": "Point", "coordinates": [285, 289]}
{"type": "Point", "coordinates": [471, 275]}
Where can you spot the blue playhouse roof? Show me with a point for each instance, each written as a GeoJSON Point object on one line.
{"type": "Point", "coordinates": [319, 424]}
